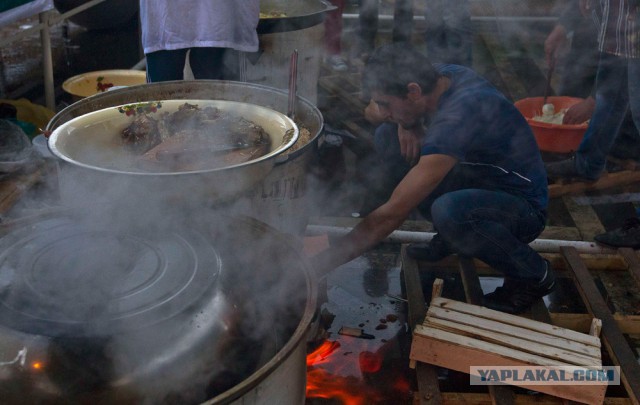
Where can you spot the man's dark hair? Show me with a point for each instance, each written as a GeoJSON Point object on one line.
{"type": "Point", "coordinates": [392, 67]}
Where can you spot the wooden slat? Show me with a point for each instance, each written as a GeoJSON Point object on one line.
{"type": "Point", "coordinates": [607, 181]}
{"type": "Point", "coordinates": [585, 218]}
{"type": "Point", "coordinates": [628, 324]}
{"type": "Point", "coordinates": [613, 339]}
{"type": "Point", "coordinates": [501, 394]}
{"type": "Point", "coordinates": [457, 353]}
{"type": "Point", "coordinates": [470, 281]}
{"type": "Point", "coordinates": [477, 398]}
{"type": "Point", "coordinates": [516, 89]}
{"type": "Point", "coordinates": [560, 233]}
{"type": "Point", "coordinates": [526, 335]}
{"type": "Point", "coordinates": [517, 321]}
{"type": "Point", "coordinates": [633, 262]}
{"type": "Point", "coordinates": [513, 342]}
{"type": "Point", "coordinates": [482, 346]}
{"type": "Point", "coordinates": [605, 262]}
{"type": "Point", "coordinates": [426, 374]}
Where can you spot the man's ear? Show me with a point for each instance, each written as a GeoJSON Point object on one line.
{"type": "Point", "coordinates": [414, 91]}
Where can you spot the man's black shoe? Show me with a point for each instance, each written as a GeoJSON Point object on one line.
{"type": "Point", "coordinates": [628, 235]}
{"type": "Point", "coordinates": [436, 250]}
{"type": "Point", "coordinates": [516, 296]}
{"type": "Point", "coordinates": [565, 169]}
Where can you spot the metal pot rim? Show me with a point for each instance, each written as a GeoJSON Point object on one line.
{"type": "Point", "coordinates": [53, 138]}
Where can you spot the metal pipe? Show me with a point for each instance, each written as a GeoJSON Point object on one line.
{"type": "Point", "coordinates": [539, 245]}
{"type": "Point", "coordinates": [47, 59]}
{"type": "Point", "coordinates": [386, 17]}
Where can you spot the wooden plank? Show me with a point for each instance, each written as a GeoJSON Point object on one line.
{"type": "Point", "coordinates": [501, 394]}
{"type": "Point", "coordinates": [607, 181]}
{"type": "Point", "coordinates": [628, 324]}
{"type": "Point", "coordinates": [613, 339]}
{"type": "Point", "coordinates": [631, 258]}
{"type": "Point", "coordinates": [493, 42]}
{"type": "Point", "coordinates": [449, 350]}
{"type": "Point", "coordinates": [522, 345]}
{"type": "Point", "coordinates": [525, 336]}
{"type": "Point", "coordinates": [603, 262]}
{"type": "Point", "coordinates": [426, 374]}
{"type": "Point", "coordinates": [338, 88]}
{"type": "Point", "coordinates": [470, 281]}
{"type": "Point", "coordinates": [585, 218]}
{"type": "Point", "coordinates": [477, 398]}
{"type": "Point", "coordinates": [560, 233]}
{"type": "Point", "coordinates": [517, 321]}
{"type": "Point", "coordinates": [620, 291]}
{"type": "Point", "coordinates": [494, 350]}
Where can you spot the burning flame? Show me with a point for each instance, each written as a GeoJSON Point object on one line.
{"type": "Point", "coordinates": [329, 359]}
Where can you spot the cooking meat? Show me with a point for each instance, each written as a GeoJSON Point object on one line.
{"type": "Point", "coordinates": [190, 116]}
{"type": "Point", "coordinates": [192, 137]}
{"type": "Point", "coordinates": [142, 134]}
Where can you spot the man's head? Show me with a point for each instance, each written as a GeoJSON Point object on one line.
{"type": "Point", "coordinates": [402, 83]}
{"type": "Point", "coordinates": [392, 67]}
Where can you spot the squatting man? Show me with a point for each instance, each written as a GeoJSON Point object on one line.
{"type": "Point", "coordinates": [459, 152]}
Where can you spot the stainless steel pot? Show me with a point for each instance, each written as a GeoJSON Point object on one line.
{"type": "Point", "coordinates": [93, 143]}
{"type": "Point", "coordinates": [279, 200]}
{"type": "Point", "coordinates": [169, 313]}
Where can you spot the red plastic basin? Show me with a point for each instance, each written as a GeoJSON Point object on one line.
{"type": "Point", "coordinates": [552, 137]}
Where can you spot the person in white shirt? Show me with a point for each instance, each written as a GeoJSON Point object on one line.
{"type": "Point", "coordinates": [214, 31]}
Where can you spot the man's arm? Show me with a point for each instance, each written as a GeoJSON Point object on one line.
{"type": "Point", "coordinates": [421, 180]}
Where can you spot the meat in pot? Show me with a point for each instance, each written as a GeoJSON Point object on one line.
{"type": "Point", "coordinates": [191, 137]}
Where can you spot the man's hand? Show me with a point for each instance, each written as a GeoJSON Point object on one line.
{"type": "Point", "coordinates": [372, 114]}
{"type": "Point", "coordinates": [580, 112]}
{"type": "Point", "coordinates": [410, 143]}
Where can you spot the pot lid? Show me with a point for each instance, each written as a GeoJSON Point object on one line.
{"type": "Point", "coordinates": [63, 277]}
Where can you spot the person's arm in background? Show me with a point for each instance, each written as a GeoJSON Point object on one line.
{"type": "Point", "coordinates": [582, 111]}
{"type": "Point", "coordinates": [558, 42]}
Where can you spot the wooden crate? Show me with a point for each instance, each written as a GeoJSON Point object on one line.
{"type": "Point", "coordinates": [457, 335]}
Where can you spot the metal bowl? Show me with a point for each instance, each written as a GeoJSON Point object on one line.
{"type": "Point", "coordinates": [88, 84]}
{"type": "Point", "coordinates": [298, 14]}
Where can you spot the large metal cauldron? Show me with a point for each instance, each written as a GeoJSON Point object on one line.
{"type": "Point", "coordinates": [280, 200]}
{"type": "Point", "coordinates": [180, 311]}
{"type": "Point", "coordinates": [299, 29]}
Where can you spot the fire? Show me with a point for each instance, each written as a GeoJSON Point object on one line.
{"type": "Point", "coordinates": [331, 376]}
{"type": "Point", "coordinates": [349, 391]}
{"type": "Point", "coordinates": [36, 365]}
{"type": "Point", "coordinates": [321, 354]}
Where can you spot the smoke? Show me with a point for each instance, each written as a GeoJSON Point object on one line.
{"type": "Point", "coordinates": [223, 291]}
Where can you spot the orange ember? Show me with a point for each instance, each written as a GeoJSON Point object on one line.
{"type": "Point", "coordinates": [323, 351]}
{"type": "Point", "coordinates": [348, 390]}
{"type": "Point", "coordinates": [329, 359]}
